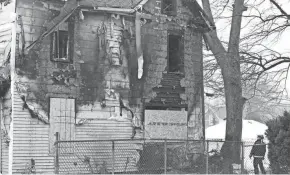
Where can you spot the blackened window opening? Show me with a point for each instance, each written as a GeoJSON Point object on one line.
{"type": "Point", "coordinates": [60, 45]}
{"type": "Point", "coordinates": [168, 7]}
{"type": "Point", "coordinates": [174, 53]}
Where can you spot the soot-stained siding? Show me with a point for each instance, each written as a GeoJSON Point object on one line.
{"type": "Point", "coordinates": [164, 88]}
{"type": "Point", "coordinates": [101, 76]}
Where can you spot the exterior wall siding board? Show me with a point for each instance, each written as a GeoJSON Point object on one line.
{"type": "Point", "coordinates": [30, 141]}
{"type": "Point", "coordinates": [4, 147]}
{"type": "Point", "coordinates": [4, 158]}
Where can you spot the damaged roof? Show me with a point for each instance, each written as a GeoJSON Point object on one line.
{"type": "Point", "coordinates": [72, 5]}
{"type": "Point", "coordinates": [111, 3]}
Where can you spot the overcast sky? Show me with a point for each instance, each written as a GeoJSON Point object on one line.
{"type": "Point", "coordinates": [282, 45]}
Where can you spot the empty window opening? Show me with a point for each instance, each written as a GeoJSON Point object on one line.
{"type": "Point", "coordinates": [174, 53]}
{"type": "Point", "coordinates": [168, 7]}
{"type": "Point", "coordinates": [60, 45]}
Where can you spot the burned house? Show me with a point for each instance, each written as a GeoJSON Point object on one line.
{"type": "Point", "coordinates": [90, 69]}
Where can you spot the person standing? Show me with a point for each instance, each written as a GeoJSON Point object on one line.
{"type": "Point", "coordinates": [258, 152]}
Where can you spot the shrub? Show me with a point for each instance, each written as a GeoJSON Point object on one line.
{"type": "Point", "coordinates": [278, 134]}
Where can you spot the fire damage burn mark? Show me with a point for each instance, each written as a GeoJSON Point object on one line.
{"type": "Point", "coordinates": [5, 78]}
{"type": "Point", "coordinates": [34, 109]}
{"type": "Point", "coordinates": [114, 63]}
{"type": "Point", "coordinates": [168, 7]}
{"type": "Point", "coordinates": [65, 76]}
{"type": "Point", "coordinates": [114, 53]}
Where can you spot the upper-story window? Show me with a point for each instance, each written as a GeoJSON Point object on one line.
{"type": "Point", "coordinates": [168, 7]}
{"type": "Point", "coordinates": [60, 43]}
{"type": "Point", "coordinates": [175, 53]}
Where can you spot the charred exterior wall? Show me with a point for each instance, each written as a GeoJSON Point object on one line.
{"type": "Point", "coordinates": [99, 84]}
{"type": "Point", "coordinates": [101, 75]}
{"type": "Point", "coordinates": [174, 90]}
{"type": "Point", "coordinates": [6, 108]}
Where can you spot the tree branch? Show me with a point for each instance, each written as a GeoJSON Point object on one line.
{"type": "Point", "coordinates": [280, 8]}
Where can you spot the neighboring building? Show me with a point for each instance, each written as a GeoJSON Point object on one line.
{"type": "Point", "coordinates": [211, 115]}
{"type": "Point", "coordinates": [89, 70]}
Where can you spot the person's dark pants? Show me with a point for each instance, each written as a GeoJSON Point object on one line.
{"type": "Point", "coordinates": [259, 162]}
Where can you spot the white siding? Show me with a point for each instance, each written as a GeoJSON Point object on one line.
{"type": "Point", "coordinates": [31, 141]}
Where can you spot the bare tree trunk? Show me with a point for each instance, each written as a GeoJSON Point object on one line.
{"type": "Point", "coordinates": [229, 63]}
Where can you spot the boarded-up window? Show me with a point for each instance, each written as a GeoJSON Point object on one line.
{"type": "Point", "coordinates": [62, 120]}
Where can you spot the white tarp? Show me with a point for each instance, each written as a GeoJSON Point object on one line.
{"type": "Point", "coordinates": [250, 131]}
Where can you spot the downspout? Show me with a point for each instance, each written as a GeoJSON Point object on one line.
{"type": "Point", "coordinates": [139, 51]}
{"type": "Point", "coordinates": [138, 45]}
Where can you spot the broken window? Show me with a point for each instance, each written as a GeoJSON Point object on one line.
{"type": "Point", "coordinates": [60, 45]}
{"type": "Point", "coordinates": [61, 42]}
{"type": "Point", "coordinates": [175, 53]}
{"type": "Point", "coordinates": [168, 7]}
{"type": "Point", "coordinates": [62, 120]}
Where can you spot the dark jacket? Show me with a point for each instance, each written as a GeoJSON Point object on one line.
{"type": "Point", "coordinates": [258, 149]}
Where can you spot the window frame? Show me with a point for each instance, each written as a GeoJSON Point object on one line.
{"type": "Point", "coordinates": [68, 29]}
{"type": "Point", "coordinates": [56, 48]}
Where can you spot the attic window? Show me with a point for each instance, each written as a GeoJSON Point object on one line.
{"type": "Point", "coordinates": [175, 53]}
{"type": "Point", "coordinates": [168, 7]}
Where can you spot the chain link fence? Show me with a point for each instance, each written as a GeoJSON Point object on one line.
{"type": "Point", "coordinates": [146, 157]}
{"type": "Point", "coordinates": [249, 162]}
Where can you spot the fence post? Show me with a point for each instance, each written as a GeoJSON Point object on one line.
{"type": "Point", "coordinates": [243, 158]}
{"type": "Point", "coordinates": [56, 170]}
{"type": "Point", "coordinates": [113, 157]}
{"type": "Point", "coordinates": [165, 156]}
{"type": "Point", "coordinates": [206, 163]}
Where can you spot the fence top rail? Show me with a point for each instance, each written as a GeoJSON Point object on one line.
{"type": "Point", "coordinates": [163, 140]}
{"type": "Point", "coordinates": [116, 140]}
